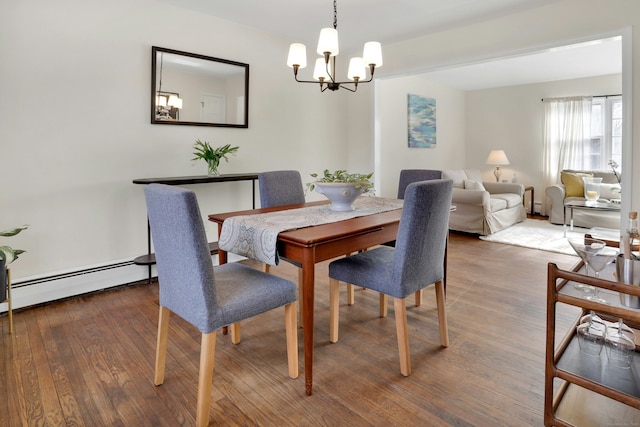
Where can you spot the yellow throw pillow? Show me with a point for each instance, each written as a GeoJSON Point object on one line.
{"type": "Point", "coordinates": [573, 184]}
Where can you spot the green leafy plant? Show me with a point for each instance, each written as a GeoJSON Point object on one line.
{"type": "Point", "coordinates": [362, 181]}
{"type": "Point", "coordinates": [7, 253]}
{"type": "Point", "coordinates": [211, 155]}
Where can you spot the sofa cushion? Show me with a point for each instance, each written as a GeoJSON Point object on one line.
{"type": "Point", "coordinates": [457, 176]}
{"type": "Point", "coordinates": [497, 204]}
{"type": "Point", "coordinates": [474, 174]}
{"type": "Point", "coordinates": [574, 186]}
{"type": "Point", "coordinates": [470, 184]}
{"type": "Point", "coordinates": [510, 199]}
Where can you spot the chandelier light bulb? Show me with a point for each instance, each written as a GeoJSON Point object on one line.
{"type": "Point", "coordinates": [328, 42]}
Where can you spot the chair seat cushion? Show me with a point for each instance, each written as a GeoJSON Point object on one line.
{"type": "Point", "coordinates": [371, 269]}
{"type": "Point", "coordinates": [243, 292]}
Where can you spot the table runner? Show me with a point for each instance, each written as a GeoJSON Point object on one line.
{"type": "Point", "coordinates": [255, 236]}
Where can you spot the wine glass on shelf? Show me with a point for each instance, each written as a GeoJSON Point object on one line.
{"type": "Point", "coordinates": [620, 344]}
{"type": "Point", "coordinates": [597, 263]}
{"type": "Point", "coordinates": [586, 248]}
{"type": "Point", "coordinates": [591, 334]}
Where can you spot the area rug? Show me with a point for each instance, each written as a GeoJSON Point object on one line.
{"type": "Point", "coordinates": [537, 234]}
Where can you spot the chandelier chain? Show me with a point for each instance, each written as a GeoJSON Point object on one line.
{"type": "Point", "coordinates": [335, 14]}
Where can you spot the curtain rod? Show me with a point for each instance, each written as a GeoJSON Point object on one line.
{"type": "Point", "coordinates": [594, 96]}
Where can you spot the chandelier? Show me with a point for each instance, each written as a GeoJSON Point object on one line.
{"type": "Point", "coordinates": [325, 68]}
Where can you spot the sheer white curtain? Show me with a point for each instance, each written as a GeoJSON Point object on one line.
{"type": "Point", "coordinates": [567, 129]}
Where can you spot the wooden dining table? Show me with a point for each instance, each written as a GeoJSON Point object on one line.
{"type": "Point", "coordinates": [318, 243]}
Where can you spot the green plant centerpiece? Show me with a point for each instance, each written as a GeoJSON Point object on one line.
{"type": "Point", "coordinates": [7, 256]}
{"type": "Point", "coordinates": [341, 188]}
{"type": "Point", "coordinates": [212, 156]}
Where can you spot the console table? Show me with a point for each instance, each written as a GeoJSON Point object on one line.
{"type": "Point", "coordinates": [149, 259]}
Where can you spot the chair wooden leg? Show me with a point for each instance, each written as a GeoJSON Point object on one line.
{"type": "Point", "coordinates": [235, 333]}
{"type": "Point", "coordinates": [205, 378]}
{"type": "Point", "coordinates": [334, 309]}
{"type": "Point", "coordinates": [300, 297]}
{"type": "Point", "coordinates": [400, 308]}
{"type": "Point", "coordinates": [383, 305]}
{"type": "Point", "coordinates": [419, 298]}
{"type": "Point", "coordinates": [292, 338]}
{"type": "Point", "coordinates": [442, 313]}
{"type": "Point", "coordinates": [351, 297]}
{"type": "Point", "coordinates": [161, 346]}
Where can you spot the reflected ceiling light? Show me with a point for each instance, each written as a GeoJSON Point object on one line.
{"type": "Point", "coordinates": [164, 100]}
{"type": "Point", "coordinates": [325, 66]}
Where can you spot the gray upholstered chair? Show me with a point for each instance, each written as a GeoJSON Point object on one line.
{"type": "Point", "coordinates": [407, 176]}
{"type": "Point", "coordinates": [207, 297]}
{"type": "Point", "coordinates": [280, 188]}
{"type": "Point", "coordinates": [416, 262]}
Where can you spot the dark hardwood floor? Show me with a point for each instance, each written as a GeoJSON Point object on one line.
{"type": "Point", "coordinates": [89, 360]}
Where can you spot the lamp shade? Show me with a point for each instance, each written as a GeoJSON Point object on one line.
{"type": "Point", "coordinates": [320, 70]}
{"type": "Point", "coordinates": [297, 55]}
{"type": "Point", "coordinates": [328, 42]}
{"type": "Point", "coordinates": [356, 69]}
{"type": "Point", "coordinates": [161, 101]}
{"type": "Point", "coordinates": [497, 158]}
{"type": "Point", "coordinates": [174, 101]}
{"type": "Point", "coordinates": [372, 54]}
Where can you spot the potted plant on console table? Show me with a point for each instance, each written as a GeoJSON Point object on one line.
{"type": "Point", "coordinates": [211, 155]}
{"type": "Point", "coordinates": [341, 188]}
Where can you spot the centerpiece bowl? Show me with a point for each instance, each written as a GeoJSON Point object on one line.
{"type": "Point", "coordinates": [341, 188]}
{"type": "Point", "coordinates": [341, 194]}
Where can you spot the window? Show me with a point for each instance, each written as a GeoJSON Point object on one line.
{"type": "Point", "coordinates": [606, 134]}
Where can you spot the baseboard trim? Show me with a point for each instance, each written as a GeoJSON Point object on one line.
{"type": "Point", "coordinates": [46, 288]}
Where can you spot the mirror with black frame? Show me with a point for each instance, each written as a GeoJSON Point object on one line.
{"type": "Point", "coordinates": [198, 90]}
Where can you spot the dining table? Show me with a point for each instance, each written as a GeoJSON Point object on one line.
{"type": "Point", "coordinates": [313, 244]}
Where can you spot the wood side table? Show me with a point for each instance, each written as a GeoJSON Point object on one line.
{"type": "Point", "coordinates": [530, 188]}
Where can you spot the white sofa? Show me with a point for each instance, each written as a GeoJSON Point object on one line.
{"type": "Point", "coordinates": [483, 207]}
{"type": "Point", "coordinates": [557, 194]}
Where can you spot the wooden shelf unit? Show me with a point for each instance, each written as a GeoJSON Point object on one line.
{"type": "Point", "coordinates": [584, 390]}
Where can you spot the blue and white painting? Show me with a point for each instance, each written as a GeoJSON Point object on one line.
{"type": "Point", "coordinates": [422, 121]}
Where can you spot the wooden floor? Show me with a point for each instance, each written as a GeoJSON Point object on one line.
{"type": "Point", "coordinates": [89, 360]}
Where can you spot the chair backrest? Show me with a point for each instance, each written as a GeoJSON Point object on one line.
{"type": "Point", "coordinates": [183, 259]}
{"type": "Point", "coordinates": [419, 255]}
{"type": "Point", "coordinates": [409, 176]}
{"type": "Point", "coordinates": [279, 188]}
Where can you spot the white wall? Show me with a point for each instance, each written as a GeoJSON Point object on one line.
{"type": "Point", "coordinates": [392, 147]}
{"type": "Point", "coordinates": [511, 119]}
{"type": "Point", "coordinates": [76, 126]}
{"type": "Point", "coordinates": [556, 24]}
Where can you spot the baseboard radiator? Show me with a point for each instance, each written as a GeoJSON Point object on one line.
{"type": "Point", "coordinates": [45, 288]}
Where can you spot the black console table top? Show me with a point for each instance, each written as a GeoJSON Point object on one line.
{"type": "Point", "coordinates": [198, 179]}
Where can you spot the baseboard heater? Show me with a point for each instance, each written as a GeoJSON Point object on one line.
{"type": "Point", "coordinates": [50, 287]}
{"type": "Point", "coordinates": [29, 291]}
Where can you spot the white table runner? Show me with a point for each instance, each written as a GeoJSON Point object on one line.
{"type": "Point", "coordinates": [255, 236]}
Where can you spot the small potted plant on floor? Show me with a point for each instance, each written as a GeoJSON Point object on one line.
{"type": "Point", "coordinates": [341, 188]}
{"type": "Point", "coordinates": [211, 155]}
{"type": "Point", "coordinates": [7, 256]}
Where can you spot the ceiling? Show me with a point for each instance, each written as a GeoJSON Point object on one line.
{"type": "Point", "coordinates": [392, 21]}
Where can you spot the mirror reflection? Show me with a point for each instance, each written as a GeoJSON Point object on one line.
{"type": "Point", "coordinates": [192, 89]}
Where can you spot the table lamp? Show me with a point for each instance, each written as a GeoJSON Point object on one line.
{"type": "Point", "coordinates": [497, 158]}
